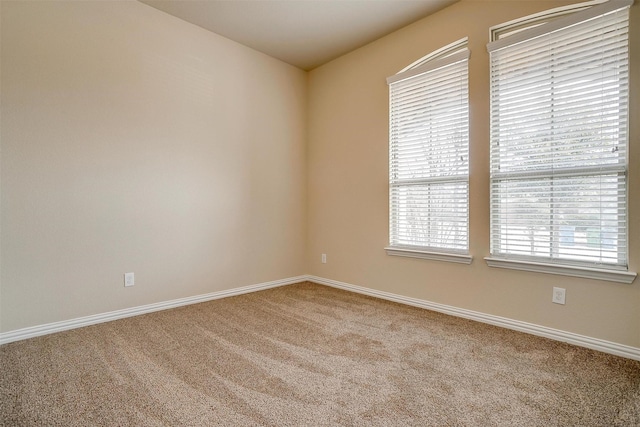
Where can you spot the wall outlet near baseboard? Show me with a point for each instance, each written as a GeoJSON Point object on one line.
{"type": "Point", "coordinates": [559, 295]}
{"type": "Point", "coordinates": [129, 279]}
{"type": "Point", "coordinates": [324, 258]}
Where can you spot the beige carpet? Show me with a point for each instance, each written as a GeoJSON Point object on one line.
{"type": "Point", "coordinates": [310, 355]}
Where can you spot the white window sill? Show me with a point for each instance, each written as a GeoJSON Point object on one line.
{"type": "Point", "coordinates": [435, 256]}
{"type": "Point", "coordinates": [619, 276]}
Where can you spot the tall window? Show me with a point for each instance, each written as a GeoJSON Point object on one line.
{"type": "Point", "coordinates": [429, 157]}
{"type": "Point", "coordinates": [559, 119]}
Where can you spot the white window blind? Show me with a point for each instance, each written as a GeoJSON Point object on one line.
{"type": "Point", "coordinates": [559, 119]}
{"type": "Point", "coordinates": [429, 154]}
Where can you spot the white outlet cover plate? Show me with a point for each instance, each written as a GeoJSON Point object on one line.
{"type": "Point", "coordinates": [559, 295]}
{"type": "Point", "coordinates": [129, 279]}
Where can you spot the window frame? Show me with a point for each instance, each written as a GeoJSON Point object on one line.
{"type": "Point", "coordinates": [448, 55]}
{"type": "Point", "coordinates": [515, 32]}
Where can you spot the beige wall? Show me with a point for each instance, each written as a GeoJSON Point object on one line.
{"type": "Point", "coordinates": [134, 141]}
{"type": "Point", "coordinates": [348, 186]}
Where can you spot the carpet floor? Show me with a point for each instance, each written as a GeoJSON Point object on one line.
{"type": "Point", "coordinates": [310, 355]}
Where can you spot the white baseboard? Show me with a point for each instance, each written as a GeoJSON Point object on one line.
{"type": "Point", "coordinates": [50, 328]}
{"type": "Point", "coordinates": [516, 325]}
{"type": "Point", "coordinates": [543, 331]}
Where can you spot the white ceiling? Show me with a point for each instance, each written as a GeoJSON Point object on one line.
{"type": "Point", "coordinates": [303, 33]}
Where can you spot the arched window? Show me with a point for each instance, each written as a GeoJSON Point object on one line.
{"type": "Point", "coordinates": [429, 157]}
{"type": "Point", "coordinates": [559, 119]}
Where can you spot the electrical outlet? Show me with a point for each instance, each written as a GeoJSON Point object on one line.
{"type": "Point", "coordinates": [324, 258]}
{"type": "Point", "coordinates": [129, 279]}
{"type": "Point", "coordinates": [558, 295]}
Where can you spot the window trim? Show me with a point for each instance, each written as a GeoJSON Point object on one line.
{"type": "Point", "coordinates": [609, 274]}
{"type": "Point", "coordinates": [413, 252]}
{"type": "Point", "coordinates": [563, 22]}
{"type": "Point", "coordinates": [510, 28]}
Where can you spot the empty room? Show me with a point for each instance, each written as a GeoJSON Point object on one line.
{"type": "Point", "coordinates": [319, 213]}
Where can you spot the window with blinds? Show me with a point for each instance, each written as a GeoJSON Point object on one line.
{"type": "Point", "coordinates": [559, 119]}
{"type": "Point", "coordinates": [429, 156]}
